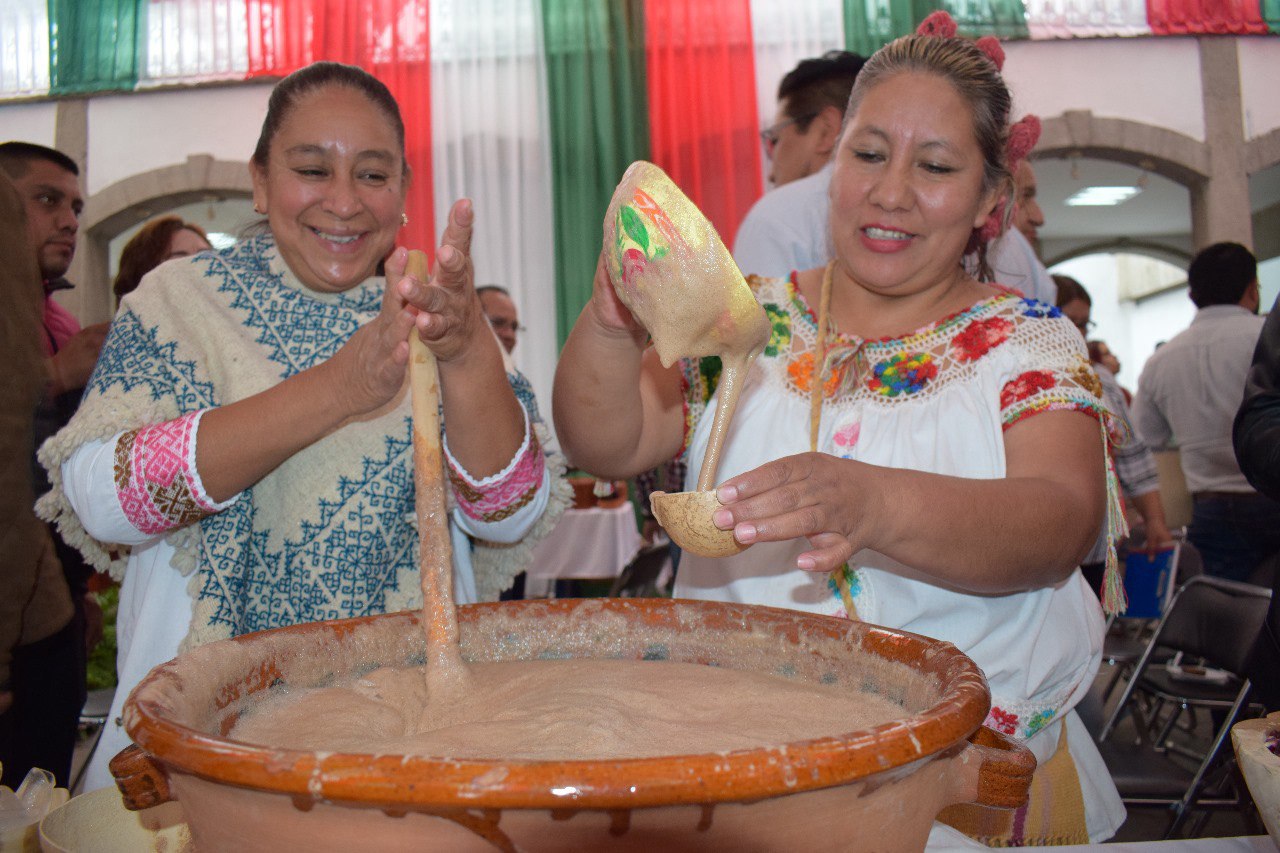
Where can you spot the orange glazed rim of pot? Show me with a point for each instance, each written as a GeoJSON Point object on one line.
{"type": "Point", "coordinates": [398, 782]}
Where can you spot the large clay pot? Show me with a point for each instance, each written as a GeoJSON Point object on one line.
{"type": "Point", "coordinates": [875, 789]}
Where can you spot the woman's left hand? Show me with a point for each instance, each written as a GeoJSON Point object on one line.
{"type": "Point", "coordinates": [815, 495]}
{"type": "Point", "coordinates": [449, 317]}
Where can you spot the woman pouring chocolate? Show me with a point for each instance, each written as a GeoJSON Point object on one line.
{"type": "Point", "coordinates": [242, 459]}
{"type": "Point", "coordinates": [960, 470]}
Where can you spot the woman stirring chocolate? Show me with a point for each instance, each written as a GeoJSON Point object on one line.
{"type": "Point", "coordinates": [242, 458]}
{"type": "Point", "coordinates": [960, 472]}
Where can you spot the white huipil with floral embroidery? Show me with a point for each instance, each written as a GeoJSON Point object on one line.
{"type": "Point", "coordinates": [938, 400]}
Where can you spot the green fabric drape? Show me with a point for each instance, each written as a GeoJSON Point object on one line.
{"type": "Point", "coordinates": [599, 125]}
{"type": "Point", "coordinates": [94, 44]}
{"type": "Point", "coordinates": [1271, 14]}
{"type": "Point", "coordinates": [871, 24]}
{"type": "Point", "coordinates": [1006, 19]}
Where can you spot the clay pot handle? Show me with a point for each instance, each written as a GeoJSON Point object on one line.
{"type": "Point", "coordinates": [1004, 779]}
{"type": "Point", "coordinates": [142, 780]}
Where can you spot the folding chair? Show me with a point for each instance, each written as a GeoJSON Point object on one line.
{"type": "Point", "coordinates": [1211, 623]}
{"type": "Point", "coordinates": [1128, 636]}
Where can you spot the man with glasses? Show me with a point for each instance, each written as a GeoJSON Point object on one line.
{"type": "Point", "coordinates": [497, 305]}
{"type": "Point", "coordinates": [787, 229]}
{"type": "Point", "coordinates": [1014, 256]}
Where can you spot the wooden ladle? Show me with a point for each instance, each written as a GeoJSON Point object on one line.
{"type": "Point", "coordinates": [670, 268]}
{"type": "Point", "coordinates": [446, 673]}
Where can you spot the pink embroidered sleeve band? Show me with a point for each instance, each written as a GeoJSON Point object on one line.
{"type": "Point", "coordinates": [156, 479]}
{"type": "Point", "coordinates": [500, 496]}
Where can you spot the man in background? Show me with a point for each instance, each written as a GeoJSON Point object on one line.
{"type": "Point", "coordinates": [1188, 396]}
{"type": "Point", "coordinates": [48, 184]}
{"type": "Point", "coordinates": [498, 306]}
{"type": "Point", "coordinates": [39, 703]}
{"type": "Point", "coordinates": [1014, 257]}
{"type": "Point", "coordinates": [787, 228]}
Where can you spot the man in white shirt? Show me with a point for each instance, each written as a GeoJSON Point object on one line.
{"type": "Point", "coordinates": [1013, 257]}
{"type": "Point", "coordinates": [786, 229]}
{"type": "Point", "coordinates": [1188, 396]}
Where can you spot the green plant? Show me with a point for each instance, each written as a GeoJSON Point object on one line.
{"type": "Point", "coordinates": [101, 671]}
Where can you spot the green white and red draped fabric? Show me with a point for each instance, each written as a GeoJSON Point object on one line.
{"type": "Point", "coordinates": [533, 108]}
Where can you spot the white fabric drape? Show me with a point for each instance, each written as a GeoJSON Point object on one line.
{"type": "Point", "coordinates": [490, 143]}
{"type": "Point", "coordinates": [191, 41]}
{"type": "Point", "coordinates": [1059, 19]}
{"type": "Point", "coordinates": [784, 34]}
{"type": "Point", "coordinates": [24, 48]}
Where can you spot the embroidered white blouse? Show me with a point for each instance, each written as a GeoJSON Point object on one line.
{"type": "Point", "coordinates": [937, 400]}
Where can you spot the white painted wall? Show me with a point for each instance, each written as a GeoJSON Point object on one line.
{"type": "Point", "coordinates": [1259, 64]}
{"type": "Point", "coordinates": [28, 122]}
{"type": "Point", "coordinates": [1152, 80]}
{"type": "Point", "coordinates": [1131, 329]}
{"type": "Point", "coordinates": [138, 132]}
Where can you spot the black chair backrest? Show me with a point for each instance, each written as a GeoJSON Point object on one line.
{"type": "Point", "coordinates": [1190, 563]}
{"type": "Point", "coordinates": [1215, 619]}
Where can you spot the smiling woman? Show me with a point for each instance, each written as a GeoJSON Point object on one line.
{"type": "Point", "coordinates": [242, 458]}
{"type": "Point", "coordinates": [958, 472]}
{"type": "Point", "coordinates": [332, 183]}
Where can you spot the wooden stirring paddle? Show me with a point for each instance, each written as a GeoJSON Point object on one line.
{"type": "Point", "coordinates": [446, 673]}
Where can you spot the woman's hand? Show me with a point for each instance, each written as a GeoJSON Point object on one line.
{"type": "Point", "coordinates": [368, 370]}
{"type": "Point", "coordinates": [449, 316]}
{"type": "Point", "coordinates": [607, 310]}
{"type": "Point", "coordinates": [815, 495]}
{"type": "Point", "coordinates": [1026, 530]}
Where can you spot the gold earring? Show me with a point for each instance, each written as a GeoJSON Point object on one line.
{"type": "Point", "coordinates": [404, 219]}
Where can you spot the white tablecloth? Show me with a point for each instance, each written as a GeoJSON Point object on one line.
{"type": "Point", "coordinates": [588, 543]}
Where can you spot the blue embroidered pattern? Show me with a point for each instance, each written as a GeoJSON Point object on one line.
{"type": "Point", "coordinates": [1036, 308]}
{"type": "Point", "coordinates": [347, 556]}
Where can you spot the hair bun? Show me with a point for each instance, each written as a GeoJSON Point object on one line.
{"type": "Point", "coordinates": [939, 24]}
{"type": "Point", "coordinates": [1023, 136]}
{"type": "Point", "coordinates": [990, 45]}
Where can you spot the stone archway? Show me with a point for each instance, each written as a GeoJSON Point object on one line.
{"type": "Point", "coordinates": [1262, 152]}
{"type": "Point", "coordinates": [1151, 248]}
{"type": "Point", "coordinates": [1215, 171]}
{"type": "Point", "coordinates": [1176, 156]}
{"type": "Point", "coordinates": [116, 208]}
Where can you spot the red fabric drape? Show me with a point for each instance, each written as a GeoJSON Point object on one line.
{"type": "Point", "coordinates": [1192, 17]}
{"type": "Point", "coordinates": [388, 38]}
{"type": "Point", "coordinates": [703, 127]}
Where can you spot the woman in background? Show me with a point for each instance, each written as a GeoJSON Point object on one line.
{"type": "Point", "coordinates": [160, 240]}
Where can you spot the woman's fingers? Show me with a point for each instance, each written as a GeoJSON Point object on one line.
{"type": "Point", "coordinates": [829, 552]}
{"type": "Point", "coordinates": [768, 477]}
{"type": "Point", "coordinates": [805, 495]}
{"type": "Point", "coordinates": [457, 233]}
{"type": "Point", "coordinates": [609, 309]}
{"type": "Point", "coordinates": [448, 317]}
